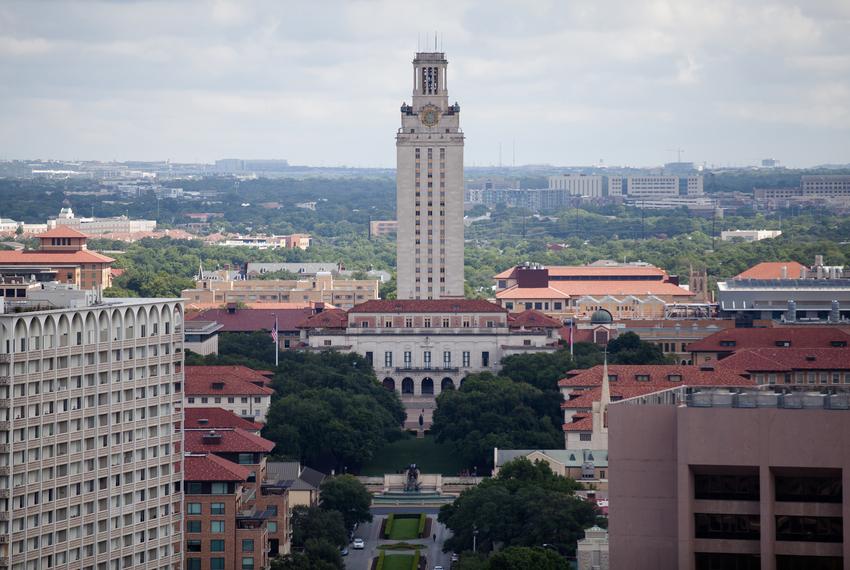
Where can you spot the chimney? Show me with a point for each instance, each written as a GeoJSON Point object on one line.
{"type": "Point", "coordinates": [835, 311]}
{"type": "Point", "coordinates": [784, 272]}
{"type": "Point", "coordinates": [818, 260]}
{"type": "Point", "coordinates": [791, 313]}
{"type": "Point", "coordinates": [212, 438]}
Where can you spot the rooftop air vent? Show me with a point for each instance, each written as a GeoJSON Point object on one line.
{"type": "Point", "coordinates": [212, 438]}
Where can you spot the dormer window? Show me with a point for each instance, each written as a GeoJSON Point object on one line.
{"type": "Point", "coordinates": [783, 343]}
{"type": "Point", "coordinates": [674, 377]}
{"type": "Point", "coordinates": [642, 377]}
{"type": "Point", "coordinates": [218, 385]}
{"type": "Point", "coordinates": [727, 343]}
{"type": "Point", "coordinates": [838, 343]}
{"type": "Point", "coordinates": [612, 378]}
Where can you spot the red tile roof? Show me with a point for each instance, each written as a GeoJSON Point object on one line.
{"type": "Point", "coordinates": [52, 257]}
{"type": "Point", "coordinates": [772, 270]}
{"type": "Point", "coordinates": [799, 336]}
{"type": "Point", "coordinates": [532, 319]}
{"type": "Point", "coordinates": [226, 440]}
{"type": "Point", "coordinates": [786, 359]}
{"type": "Point", "coordinates": [250, 320]}
{"type": "Point", "coordinates": [427, 306]}
{"type": "Point", "coordinates": [659, 377]}
{"type": "Point", "coordinates": [62, 231]}
{"type": "Point", "coordinates": [216, 418]}
{"type": "Point", "coordinates": [235, 380]}
{"type": "Point", "coordinates": [581, 422]}
{"type": "Point", "coordinates": [327, 319]}
{"type": "Point", "coordinates": [211, 467]}
{"type": "Point", "coordinates": [592, 271]}
{"type": "Point", "coordinates": [517, 292]}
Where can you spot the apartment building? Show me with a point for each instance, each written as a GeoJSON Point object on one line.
{"type": "Point", "coordinates": [91, 398]}
{"type": "Point", "coordinates": [237, 389]}
{"type": "Point", "coordinates": [720, 478]}
{"type": "Point", "coordinates": [382, 228]}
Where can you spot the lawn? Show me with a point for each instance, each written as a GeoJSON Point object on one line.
{"type": "Point", "coordinates": [405, 528]}
{"type": "Point", "coordinates": [398, 562]}
{"type": "Point", "coordinates": [430, 456]}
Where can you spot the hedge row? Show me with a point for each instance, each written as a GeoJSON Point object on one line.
{"type": "Point", "coordinates": [415, 565]}
{"type": "Point", "coordinates": [380, 564]}
{"type": "Point", "coordinates": [388, 528]}
{"type": "Point", "coordinates": [422, 519]}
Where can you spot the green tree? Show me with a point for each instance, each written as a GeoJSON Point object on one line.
{"type": "Point", "coordinates": [346, 494]}
{"type": "Point", "coordinates": [489, 411]}
{"type": "Point", "coordinates": [525, 505]}
{"type": "Point", "coordinates": [316, 524]}
{"type": "Point", "coordinates": [628, 348]}
{"type": "Point", "coordinates": [523, 557]}
{"type": "Point", "coordinates": [542, 369]}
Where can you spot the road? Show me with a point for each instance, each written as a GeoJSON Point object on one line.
{"type": "Point", "coordinates": [361, 559]}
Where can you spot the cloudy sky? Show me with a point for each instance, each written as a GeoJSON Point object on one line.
{"type": "Point", "coordinates": [562, 82]}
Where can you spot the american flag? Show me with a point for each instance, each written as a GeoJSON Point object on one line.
{"type": "Point", "coordinates": [274, 331]}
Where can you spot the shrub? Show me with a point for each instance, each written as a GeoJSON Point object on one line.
{"type": "Point", "coordinates": [415, 565]}
{"type": "Point", "coordinates": [422, 519]}
{"type": "Point", "coordinates": [389, 526]}
{"type": "Point", "coordinates": [380, 564]}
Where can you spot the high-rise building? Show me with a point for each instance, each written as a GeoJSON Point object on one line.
{"type": "Point", "coordinates": [91, 398]}
{"type": "Point", "coordinates": [429, 179]}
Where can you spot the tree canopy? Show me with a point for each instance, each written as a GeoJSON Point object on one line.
{"type": "Point", "coordinates": [489, 411]}
{"type": "Point", "coordinates": [317, 536]}
{"type": "Point", "coordinates": [526, 505]}
{"type": "Point", "coordinates": [347, 495]}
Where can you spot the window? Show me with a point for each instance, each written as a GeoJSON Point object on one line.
{"type": "Point", "coordinates": [426, 356]}
{"type": "Point", "coordinates": [446, 323]}
{"type": "Point", "coordinates": [447, 358]}
{"type": "Point", "coordinates": [809, 489]}
{"type": "Point", "coordinates": [217, 526]}
{"type": "Point", "coordinates": [272, 525]}
{"type": "Point", "coordinates": [248, 545]}
{"type": "Point", "coordinates": [246, 459]}
{"type": "Point", "coordinates": [642, 377]}
{"type": "Point", "coordinates": [388, 359]}
{"type": "Point", "coordinates": [466, 359]}
{"type": "Point", "coordinates": [369, 358]}
{"type": "Point", "coordinates": [724, 526]}
{"type": "Point", "coordinates": [216, 563]}
{"type": "Point", "coordinates": [193, 564]}
{"type": "Point", "coordinates": [485, 359]}
{"type": "Point", "coordinates": [216, 546]}
{"type": "Point", "coordinates": [193, 508]}
{"type": "Point", "coordinates": [585, 436]}
{"type": "Point", "coordinates": [743, 487]}
{"type": "Point", "coordinates": [217, 508]}
{"type": "Point", "coordinates": [247, 563]}
{"type": "Point", "coordinates": [193, 526]}
{"type": "Point", "coordinates": [218, 489]}
{"type": "Point", "coordinates": [809, 529]}
{"type": "Point", "coordinates": [193, 546]}
{"type": "Point", "coordinates": [408, 357]}
{"type": "Point", "coordinates": [408, 322]}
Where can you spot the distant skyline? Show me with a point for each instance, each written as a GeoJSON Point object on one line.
{"type": "Point", "coordinates": [564, 83]}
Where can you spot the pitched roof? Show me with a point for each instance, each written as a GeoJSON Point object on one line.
{"type": "Point", "coordinates": [225, 440]}
{"type": "Point", "coordinates": [772, 270]}
{"type": "Point", "coordinates": [233, 380]}
{"type": "Point", "coordinates": [209, 467]}
{"type": "Point", "coordinates": [593, 271]}
{"type": "Point", "coordinates": [659, 377]}
{"type": "Point", "coordinates": [786, 359]}
{"type": "Point", "coordinates": [427, 306]}
{"type": "Point", "coordinates": [52, 257]}
{"type": "Point", "coordinates": [327, 319]}
{"type": "Point", "coordinates": [62, 231]}
{"type": "Point", "coordinates": [517, 292]}
{"type": "Point", "coordinates": [531, 319]}
{"type": "Point", "coordinates": [200, 418]}
{"type": "Point", "coordinates": [250, 320]}
{"type": "Point", "coordinates": [733, 339]}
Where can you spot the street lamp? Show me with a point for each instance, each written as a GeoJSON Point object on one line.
{"type": "Point", "coordinates": [474, 538]}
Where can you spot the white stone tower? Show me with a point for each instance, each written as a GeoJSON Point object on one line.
{"type": "Point", "coordinates": [429, 187]}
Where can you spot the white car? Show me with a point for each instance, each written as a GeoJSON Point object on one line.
{"type": "Point", "coordinates": [358, 544]}
{"type": "Point", "coordinates": [438, 567]}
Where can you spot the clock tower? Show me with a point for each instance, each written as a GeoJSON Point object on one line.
{"type": "Point", "coordinates": [429, 187]}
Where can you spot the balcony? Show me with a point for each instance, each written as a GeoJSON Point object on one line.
{"type": "Point", "coordinates": [426, 369]}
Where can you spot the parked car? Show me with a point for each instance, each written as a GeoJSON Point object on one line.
{"type": "Point", "coordinates": [438, 567]}
{"type": "Point", "coordinates": [358, 544]}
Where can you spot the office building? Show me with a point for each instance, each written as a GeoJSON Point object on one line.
{"type": "Point", "coordinates": [421, 348]}
{"type": "Point", "coordinates": [749, 235]}
{"type": "Point", "coordinates": [789, 292]}
{"type": "Point", "coordinates": [730, 478]}
{"type": "Point", "coordinates": [825, 185]}
{"type": "Point", "coordinates": [382, 228]}
{"type": "Point", "coordinates": [429, 193]}
{"type": "Point", "coordinates": [91, 395]}
{"type": "Point", "coordinates": [587, 185]}
{"type": "Point", "coordinates": [293, 241]}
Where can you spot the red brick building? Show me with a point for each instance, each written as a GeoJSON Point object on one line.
{"type": "Point", "coordinates": [729, 341]}
{"type": "Point", "coordinates": [238, 389]}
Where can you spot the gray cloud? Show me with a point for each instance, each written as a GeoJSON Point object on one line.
{"type": "Point", "coordinates": [320, 82]}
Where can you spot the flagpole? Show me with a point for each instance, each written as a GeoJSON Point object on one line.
{"type": "Point", "coordinates": [276, 343]}
{"type": "Point", "coordinates": [572, 324]}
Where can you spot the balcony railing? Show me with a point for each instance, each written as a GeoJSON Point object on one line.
{"type": "Point", "coordinates": [427, 368]}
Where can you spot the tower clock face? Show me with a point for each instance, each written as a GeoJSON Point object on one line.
{"type": "Point", "coordinates": [430, 115]}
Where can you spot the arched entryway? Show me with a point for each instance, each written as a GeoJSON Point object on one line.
{"type": "Point", "coordinates": [407, 386]}
{"type": "Point", "coordinates": [447, 384]}
{"type": "Point", "coordinates": [427, 386]}
{"type": "Point", "coordinates": [389, 384]}
{"type": "Point", "coordinates": [462, 380]}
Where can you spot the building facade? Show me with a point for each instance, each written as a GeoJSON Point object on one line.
{"type": "Point", "coordinates": [590, 186]}
{"type": "Point", "coordinates": [421, 348]}
{"type": "Point", "coordinates": [91, 400]}
{"type": "Point", "coordinates": [429, 191]}
{"type": "Point", "coordinates": [382, 228]}
{"type": "Point", "coordinates": [747, 479]}
{"type": "Point", "coordinates": [237, 389]}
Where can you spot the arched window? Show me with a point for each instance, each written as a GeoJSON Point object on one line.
{"type": "Point", "coordinates": [427, 386]}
